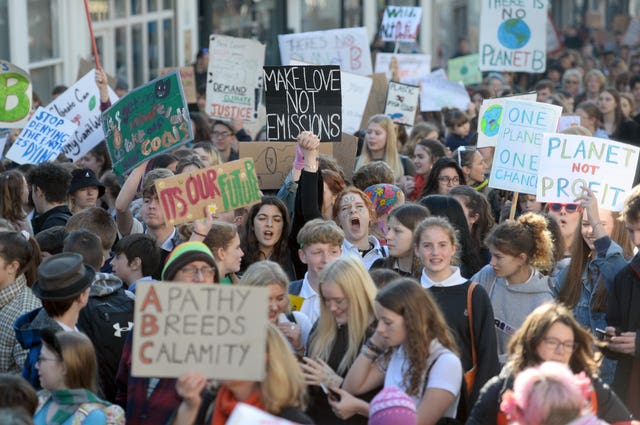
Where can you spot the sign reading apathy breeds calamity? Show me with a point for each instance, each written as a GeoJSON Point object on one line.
{"type": "Point", "coordinates": [303, 98]}
{"type": "Point", "coordinates": [212, 190]}
{"type": "Point", "coordinates": [218, 330]}
{"type": "Point", "coordinates": [570, 162]}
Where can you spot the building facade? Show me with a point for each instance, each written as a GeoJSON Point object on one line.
{"type": "Point", "coordinates": [136, 38]}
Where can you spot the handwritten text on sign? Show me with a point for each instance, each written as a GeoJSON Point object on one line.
{"type": "Point", "coordinates": [571, 162]}
{"type": "Point", "coordinates": [218, 189]}
{"type": "Point", "coordinates": [402, 103]}
{"type": "Point", "coordinates": [80, 103]}
{"type": "Point", "coordinates": [346, 47]}
{"type": "Point", "coordinates": [42, 139]}
{"type": "Point", "coordinates": [234, 80]}
{"type": "Point", "coordinates": [400, 23]}
{"type": "Point", "coordinates": [218, 330]}
{"type": "Point", "coordinates": [303, 98]}
{"type": "Point", "coordinates": [517, 157]}
{"type": "Point", "coordinates": [146, 122]}
{"type": "Point", "coordinates": [15, 96]}
{"type": "Point", "coordinates": [513, 35]}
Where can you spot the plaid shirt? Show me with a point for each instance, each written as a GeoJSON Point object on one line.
{"type": "Point", "coordinates": [15, 300]}
{"type": "Point", "coordinates": [132, 394]}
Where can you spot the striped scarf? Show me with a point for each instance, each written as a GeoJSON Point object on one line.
{"type": "Point", "coordinates": [69, 401]}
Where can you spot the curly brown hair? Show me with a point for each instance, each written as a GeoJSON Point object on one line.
{"type": "Point", "coordinates": [423, 323]}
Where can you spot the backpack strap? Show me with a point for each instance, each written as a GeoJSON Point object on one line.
{"type": "Point", "coordinates": [474, 354]}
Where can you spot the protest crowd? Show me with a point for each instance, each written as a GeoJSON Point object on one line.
{"type": "Point", "coordinates": [469, 262]}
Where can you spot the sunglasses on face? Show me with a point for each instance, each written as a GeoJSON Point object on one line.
{"type": "Point", "coordinates": [569, 208]}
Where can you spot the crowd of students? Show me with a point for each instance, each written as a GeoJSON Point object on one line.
{"type": "Point", "coordinates": [420, 300]}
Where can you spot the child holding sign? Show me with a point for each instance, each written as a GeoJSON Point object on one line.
{"type": "Point", "coordinates": [599, 251]}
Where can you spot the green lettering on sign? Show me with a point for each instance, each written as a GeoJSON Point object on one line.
{"type": "Point", "coordinates": [18, 89]}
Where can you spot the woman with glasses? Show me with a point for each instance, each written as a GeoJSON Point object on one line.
{"type": "Point", "coordinates": [550, 333]}
{"type": "Point", "coordinates": [572, 81]}
{"type": "Point", "coordinates": [68, 372]}
{"type": "Point", "coordinates": [445, 174]}
{"type": "Point", "coordinates": [347, 320]}
{"type": "Point", "coordinates": [519, 250]}
{"type": "Point", "coordinates": [599, 251]}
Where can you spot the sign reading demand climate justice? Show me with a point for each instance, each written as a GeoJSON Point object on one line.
{"type": "Point", "coordinates": [513, 36]}
{"type": "Point", "coordinates": [218, 330]}
{"type": "Point", "coordinates": [303, 98]}
{"type": "Point", "coordinates": [517, 157]}
{"type": "Point", "coordinates": [572, 162]}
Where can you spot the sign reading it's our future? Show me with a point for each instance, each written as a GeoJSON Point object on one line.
{"type": "Point", "coordinates": [218, 330]}
{"type": "Point", "coordinates": [513, 35]}
{"type": "Point", "coordinates": [212, 190]}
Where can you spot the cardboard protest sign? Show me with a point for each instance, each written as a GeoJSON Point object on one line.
{"type": "Point", "coordinates": [303, 98]}
{"type": "Point", "coordinates": [218, 330]}
{"type": "Point", "coordinates": [273, 160]}
{"type": "Point", "coordinates": [80, 103]}
{"type": "Point", "coordinates": [42, 139]}
{"type": "Point", "coordinates": [377, 98]}
{"type": "Point", "coordinates": [402, 103]}
{"type": "Point", "coordinates": [234, 81]}
{"type": "Point", "coordinates": [347, 47]}
{"type": "Point", "coordinates": [571, 162]}
{"type": "Point", "coordinates": [149, 120]}
{"type": "Point", "coordinates": [400, 23]}
{"type": "Point", "coordinates": [186, 197]}
{"type": "Point", "coordinates": [632, 34]}
{"type": "Point", "coordinates": [411, 68]}
{"type": "Point", "coordinates": [437, 92]}
{"type": "Point", "coordinates": [517, 157]}
{"type": "Point", "coordinates": [188, 77]}
{"type": "Point", "coordinates": [245, 414]}
{"type": "Point", "coordinates": [464, 69]}
{"type": "Point", "coordinates": [490, 116]}
{"type": "Point", "coordinates": [355, 91]}
{"type": "Point", "coordinates": [513, 36]}
{"type": "Point", "coordinates": [15, 96]}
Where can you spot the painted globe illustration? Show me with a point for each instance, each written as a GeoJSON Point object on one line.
{"type": "Point", "coordinates": [514, 33]}
{"type": "Point", "coordinates": [490, 122]}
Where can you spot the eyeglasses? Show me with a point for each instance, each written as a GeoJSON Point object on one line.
{"type": "Point", "coordinates": [449, 180]}
{"type": "Point", "coordinates": [339, 302]}
{"type": "Point", "coordinates": [205, 271]}
{"type": "Point", "coordinates": [569, 208]}
{"type": "Point", "coordinates": [554, 344]}
{"type": "Point", "coordinates": [44, 359]}
{"type": "Point", "coordinates": [221, 134]}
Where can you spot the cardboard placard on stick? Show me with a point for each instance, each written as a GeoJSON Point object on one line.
{"type": "Point", "coordinates": [274, 160]}
{"type": "Point", "coordinates": [377, 98]}
{"type": "Point", "coordinates": [148, 121]}
{"type": "Point", "coordinates": [303, 98]}
{"type": "Point", "coordinates": [213, 190]}
{"type": "Point", "coordinates": [402, 103]}
{"type": "Point", "coordinates": [218, 330]}
{"type": "Point", "coordinates": [15, 93]}
{"type": "Point", "coordinates": [80, 103]}
{"type": "Point", "coordinates": [188, 77]}
{"type": "Point", "coordinates": [400, 23]}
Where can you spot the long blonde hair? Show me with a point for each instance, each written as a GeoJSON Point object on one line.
{"type": "Point", "coordinates": [391, 156]}
{"type": "Point", "coordinates": [350, 275]}
{"type": "Point", "coordinates": [284, 384]}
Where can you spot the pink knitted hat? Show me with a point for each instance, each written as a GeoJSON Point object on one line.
{"type": "Point", "coordinates": [392, 407]}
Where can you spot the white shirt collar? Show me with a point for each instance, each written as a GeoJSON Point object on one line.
{"type": "Point", "coordinates": [453, 280]}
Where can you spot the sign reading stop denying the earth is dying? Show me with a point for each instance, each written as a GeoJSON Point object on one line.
{"type": "Point", "coordinates": [513, 35]}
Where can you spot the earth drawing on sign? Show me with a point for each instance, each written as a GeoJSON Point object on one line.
{"type": "Point", "coordinates": [514, 33]}
{"type": "Point", "coordinates": [490, 122]}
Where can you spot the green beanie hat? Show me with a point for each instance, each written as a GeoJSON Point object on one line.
{"type": "Point", "coordinates": [184, 254]}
